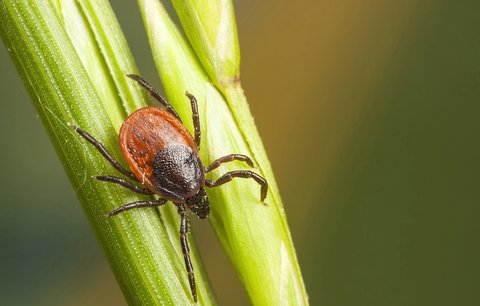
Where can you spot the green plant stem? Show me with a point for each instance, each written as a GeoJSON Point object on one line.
{"type": "Point", "coordinates": [254, 235]}
{"type": "Point", "coordinates": [142, 246]}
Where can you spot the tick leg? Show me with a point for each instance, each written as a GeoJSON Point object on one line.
{"type": "Point", "coordinates": [124, 183]}
{"type": "Point", "coordinates": [195, 118]}
{"type": "Point", "coordinates": [154, 93]}
{"type": "Point", "coordinates": [137, 204]}
{"type": "Point", "coordinates": [228, 158]}
{"type": "Point", "coordinates": [100, 148]}
{"type": "Point", "coordinates": [186, 249]}
{"type": "Point", "coordinates": [227, 177]}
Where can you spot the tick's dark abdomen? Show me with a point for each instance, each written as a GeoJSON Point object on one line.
{"type": "Point", "coordinates": [177, 171]}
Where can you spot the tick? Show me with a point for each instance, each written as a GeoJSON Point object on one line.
{"type": "Point", "coordinates": [164, 157]}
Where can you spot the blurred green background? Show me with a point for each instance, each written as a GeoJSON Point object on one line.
{"type": "Point", "coordinates": [370, 113]}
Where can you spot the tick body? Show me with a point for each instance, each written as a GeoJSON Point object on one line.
{"type": "Point", "coordinates": [162, 154]}
{"type": "Point", "coordinates": [164, 157]}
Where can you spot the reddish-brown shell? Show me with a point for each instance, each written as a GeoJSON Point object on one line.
{"type": "Point", "coordinates": [143, 134]}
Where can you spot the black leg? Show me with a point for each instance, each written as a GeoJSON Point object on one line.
{"type": "Point", "coordinates": [227, 177]}
{"type": "Point", "coordinates": [137, 204]}
{"type": "Point", "coordinates": [186, 249]}
{"type": "Point", "coordinates": [228, 158]}
{"type": "Point", "coordinates": [124, 183]}
{"type": "Point", "coordinates": [154, 93]}
{"type": "Point", "coordinates": [104, 152]}
{"type": "Point", "coordinates": [196, 119]}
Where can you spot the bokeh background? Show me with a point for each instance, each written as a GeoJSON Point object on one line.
{"type": "Point", "coordinates": [370, 113]}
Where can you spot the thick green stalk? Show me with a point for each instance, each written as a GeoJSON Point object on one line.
{"type": "Point", "coordinates": [73, 58]}
{"type": "Point", "coordinates": [211, 29]}
{"type": "Point", "coordinates": [255, 236]}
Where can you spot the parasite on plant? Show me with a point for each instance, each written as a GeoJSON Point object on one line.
{"type": "Point", "coordinates": [164, 157]}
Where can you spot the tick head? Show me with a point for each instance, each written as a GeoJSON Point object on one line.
{"type": "Point", "coordinates": [199, 204]}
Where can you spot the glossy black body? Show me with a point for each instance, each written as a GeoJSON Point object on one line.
{"type": "Point", "coordinates": [178, 172]}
